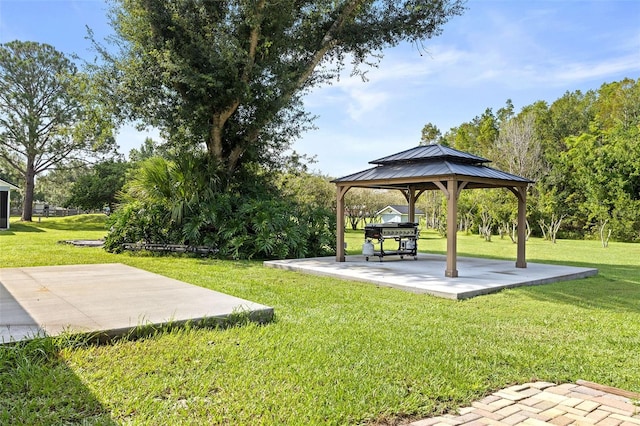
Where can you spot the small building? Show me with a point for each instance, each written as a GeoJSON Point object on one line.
{"type": "Point", "coordinates": [5, 203]}
{"type": "Point", "coordinates": [396, 213]}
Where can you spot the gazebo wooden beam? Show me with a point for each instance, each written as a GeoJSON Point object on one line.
{"type": "Point", "coordinates": [521, 260]}
{"type": "Point", "coordinates": [461, 186]}
{"type": "Point", "coordinates": [402, 183]}
{"type": "Point", "coordinates": [521, 194]}
{"type": "Point", "coordinates": [451, 192]}
{"type": "Point", "coordinates": [443, 188]}
{"type": "Point", "coordinates": [409, 194]}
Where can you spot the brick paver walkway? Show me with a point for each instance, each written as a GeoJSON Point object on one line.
{"type": "Point", "coordinates": [542, 403]}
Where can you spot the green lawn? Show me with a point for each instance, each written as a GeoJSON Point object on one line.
{"type": "Point", "coordinates": [338, 352]}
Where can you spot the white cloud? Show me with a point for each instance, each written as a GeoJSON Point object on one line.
{"type": "Point", "coordinates": [581, 71]}
{"type": "Point", "coordinates": [363, 101]}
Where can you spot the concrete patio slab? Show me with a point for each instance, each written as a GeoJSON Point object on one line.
{"type": "Point", "coordinates": [426, 275]}
{"type": "Point", "coordinates": [105, 300]}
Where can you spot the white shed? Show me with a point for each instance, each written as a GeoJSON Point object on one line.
{"type": "Point", "coordinates": [5, 203]}
{"type": "Point", "coordinates": [396, 213]}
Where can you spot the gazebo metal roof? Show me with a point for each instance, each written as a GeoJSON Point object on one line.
{"type": "Point", "coordinates": [433, 167]}
{"type": "Point", "coordinates": [425, 164]}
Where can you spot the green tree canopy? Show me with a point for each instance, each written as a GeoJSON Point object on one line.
{"type": "Point", "coordinates": [229, 75]}
{"type": "Point", "coordinates": [308, 188]}
{"type": "Point", "coordinates": [606, 161]}
{"type": "Point", "coordinates": [149, 148]}
{"type": "Point", "coordinates": [583, 151]}
{"type": "Point", "coordinates": [99, 187]}
{"type": "Point", "coordinates": [430, 134]}
{"type": "Point", "coordinates": [47, 114]}
{"type": "Point", "coordinates": [54, 186]}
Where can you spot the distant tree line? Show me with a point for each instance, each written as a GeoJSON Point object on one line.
{"type": "Point", "coordinates": [583, 151]}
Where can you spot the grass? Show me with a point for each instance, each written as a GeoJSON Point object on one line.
{"type": "Point", "coordinates": [339, 352]}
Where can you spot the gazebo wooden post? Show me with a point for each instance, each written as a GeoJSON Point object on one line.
{"type": "Point", "coordinates": [521, 260]}
{"type": "Point", "coordinates": [412, 204]}
{"type": "Point", "coordinates": [341, 191]}
{"type": "Point", "coordinates": [452, 228]}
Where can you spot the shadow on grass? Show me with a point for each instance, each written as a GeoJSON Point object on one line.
{"type": "Point", "coordinates": [237, 318]}
{"type": "Point", "coordinates": [616, 288]}
{"type": "Point", "coordinates": [69, 223]}
{"type": "Point", "coordinates": [39, 388]}
{"type": "Point", "coordinates": [237, 264]}
{"type": "Point", "coordinates": [19, 228]}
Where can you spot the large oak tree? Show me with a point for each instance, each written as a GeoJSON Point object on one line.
{"type": "Point", "coordinates": [228, 75]}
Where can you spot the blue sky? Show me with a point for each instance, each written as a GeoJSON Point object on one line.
{"type": "Point", "coordinates": [498, 50]}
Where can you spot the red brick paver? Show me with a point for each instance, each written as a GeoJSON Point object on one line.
{"type": "Point", "coordinates": [543, 403]}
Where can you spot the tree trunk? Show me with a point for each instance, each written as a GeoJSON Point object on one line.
{"type": "Point", "coordinates": [543, 228]}
{"type": "Point", "coordinates": [603, 239]}
{"type": "Point", "coordinates": [27, 203]}
{"type": "Point", "coordinates": [555, 224]}
{"type": "Point", "coordinates": [468, 222]}
{"type": "Point", "coordinates": [354, 220]}
{"type": "Point", "coordinates": [514, 234]}
{"type": "Point", "coordinates": [487, 226]}
{"type": "Point", "coordinates": [503, 229]}
{"type": "Point", "coordinates": [551, 230]}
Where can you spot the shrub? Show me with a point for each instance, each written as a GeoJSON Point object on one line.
{"type": "Point", "coordinates": [160, 207]}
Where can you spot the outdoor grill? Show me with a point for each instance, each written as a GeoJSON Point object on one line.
{"type": "Point", "coordinates": [404, 233]}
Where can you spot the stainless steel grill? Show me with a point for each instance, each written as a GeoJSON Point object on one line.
{"type": "Point", "coordinates": [404, 233]}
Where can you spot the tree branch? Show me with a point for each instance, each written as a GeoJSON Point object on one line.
{"type": "Point", "coordinates": [219, 119]}
{"type": "Point", "coordinates": [329, 41]}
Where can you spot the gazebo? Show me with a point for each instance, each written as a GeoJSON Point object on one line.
{"type": "Point", "coordinates": [435, 167]}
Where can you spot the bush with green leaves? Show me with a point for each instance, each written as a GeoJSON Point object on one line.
{"type": "Point", "coordinates": [182, 201]}
{"type": "Point", "coordinates": [140, 221]}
